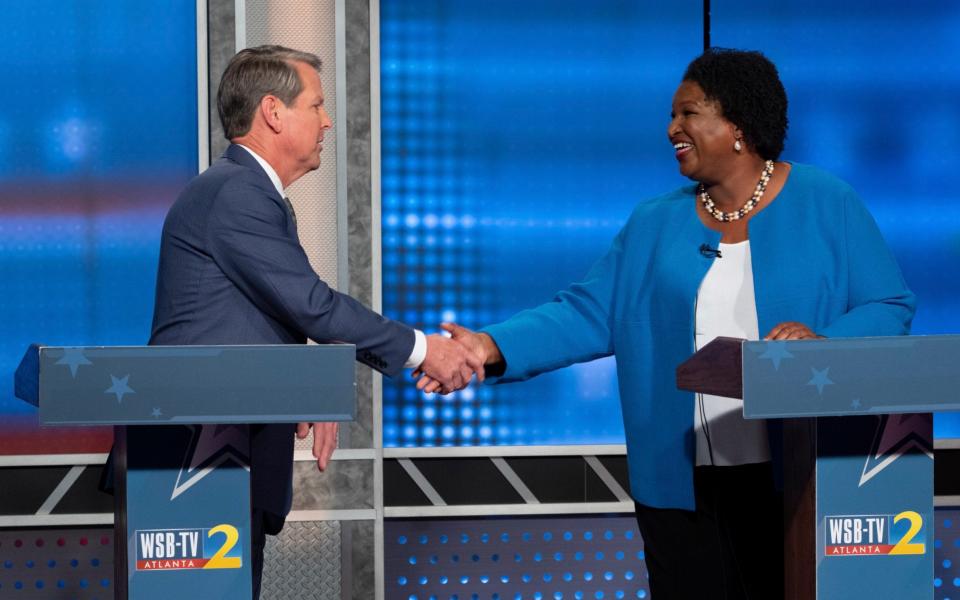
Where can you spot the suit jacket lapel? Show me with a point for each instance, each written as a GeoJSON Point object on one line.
{"type": "Point", "coordinates": [240, 156]}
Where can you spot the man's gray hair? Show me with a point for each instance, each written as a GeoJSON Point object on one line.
{"type": "Point", "coordinates": [254, 73]}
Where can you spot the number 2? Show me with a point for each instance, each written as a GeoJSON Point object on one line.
{"type": "Point", "coordinates": [906, 545]}
{"type": "Point", "coordinates": [220, 560]}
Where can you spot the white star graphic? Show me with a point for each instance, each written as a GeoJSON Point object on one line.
{"type": "Point", "coordinates": [776, 351]}
{"type": "Point", "coordinates": [210, 447]}
{"type": "Point", "coordinates": [897, 435]}
{"type": "Point", "coordinates": [119, 387]}
{"type": "Point", "coordinates": [820, 379]}
{"type": "Point", "coordinates": [73, 358]}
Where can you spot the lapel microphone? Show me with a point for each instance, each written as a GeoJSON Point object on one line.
{"type": "Point", "coordinates": [709, 252]}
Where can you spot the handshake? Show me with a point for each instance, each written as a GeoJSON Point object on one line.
{"type": "Point", "coordinates": [452, 362]}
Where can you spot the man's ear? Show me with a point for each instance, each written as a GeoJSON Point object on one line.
{"type": "Point", "coordinates": [270, 109]}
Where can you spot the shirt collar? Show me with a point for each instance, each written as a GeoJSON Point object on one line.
{"type": "Point", "coordinates": [274, 178]}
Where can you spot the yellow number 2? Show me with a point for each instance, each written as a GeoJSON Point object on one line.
{"type": "Point", "coordinates": [220, 560]}
{"type": "Point", "coordinates": [905, 545]}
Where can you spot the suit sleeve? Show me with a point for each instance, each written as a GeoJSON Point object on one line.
{"type": "Point", "coordinates": [248, 240]}
{"type": "Point", "coordinates": [879, 302]}
{"type": "Point", "coordinates": [574, 327]}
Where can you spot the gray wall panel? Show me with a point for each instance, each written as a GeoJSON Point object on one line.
{"type": "Point", "coordinates": [346, 484]}
{"type": "Point", "coordinates": [361, 583]}
{"type": "Point", "coordinates": [308, 26]}
{"type": "Point", "coordinates": [221, 46]}
{"type": "Point", "coordinates": [303, 562]}
{"type": "Point", "coordinates": [359, 223]}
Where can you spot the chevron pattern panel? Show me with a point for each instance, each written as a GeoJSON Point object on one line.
{"type": "Point", "coordinates": [428, 486]}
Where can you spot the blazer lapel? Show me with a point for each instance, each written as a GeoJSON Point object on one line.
{"type": "Point", "coordinates": [240, 156]}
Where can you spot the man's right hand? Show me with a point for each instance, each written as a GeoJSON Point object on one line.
{"type": "Point", "coordinates": [450, 364]}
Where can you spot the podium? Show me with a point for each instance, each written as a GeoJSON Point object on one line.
{"type": "Point", "coordinates": [857, 451]}
{"type": "Point", "coordinates": [182, 519]}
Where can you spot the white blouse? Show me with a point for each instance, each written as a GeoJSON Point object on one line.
{"type": "Point", "coordinates": [726, 307]}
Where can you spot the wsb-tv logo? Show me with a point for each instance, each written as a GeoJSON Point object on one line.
{"type": "Point", "coordinates": [169, 549]}
{"type": "Point", "coordinates": [875, 535]}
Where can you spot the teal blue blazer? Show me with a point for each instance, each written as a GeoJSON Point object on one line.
{"type": "Point", "coordinates": [818, 258]}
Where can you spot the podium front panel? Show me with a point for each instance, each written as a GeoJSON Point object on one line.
{"type": "Point", "coordinates": [188, 515]}
{"type": "Point", "coordinates": [149, 385]}
{"type": "Point", "coordinates": [872, 452]}
{"type": "Point", "coordinates": [833, 377]}
{"type": "Point", "coordinates": [875, 527]}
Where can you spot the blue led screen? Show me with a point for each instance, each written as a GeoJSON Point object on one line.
{"type": "Point", "coordinates": [98, 136]}
{"type": "Point", "coordinates": [516, 137]}
{"type": "Point", "coordinates": [873, 90]}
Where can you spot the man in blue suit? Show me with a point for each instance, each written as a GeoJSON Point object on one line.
{"type": "Point", "coordinates": [232, 270]}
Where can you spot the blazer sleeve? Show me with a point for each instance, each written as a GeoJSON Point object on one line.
{"type": "Point", "coordinates": [248, 239]}
{"type": "Point", "coordinates": [574, 327]}
{"type": "Point", "coordinates": [879, 302]}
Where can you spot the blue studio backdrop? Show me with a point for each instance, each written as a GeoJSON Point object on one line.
{"type": "Point", "coordinates": [517, 137]}
{"type": "Point", "coordinates": [97, 143]}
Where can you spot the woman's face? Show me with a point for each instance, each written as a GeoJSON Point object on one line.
{"type": "Point", "coordinates": [702, 139]}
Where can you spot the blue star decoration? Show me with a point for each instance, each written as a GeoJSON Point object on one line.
{"type": "Point", "coordinates": [776, 351]}
{"type": "Point", "coordinates": [119, 387]}
{"type": "Point", "coordinates": [156, 413]}
{"type": "Point", "coordinates": [820, 379]}
{"type": "Point", "coordinates": [855, 403]}
{"type": "Point", "coordinates": [73, 358]}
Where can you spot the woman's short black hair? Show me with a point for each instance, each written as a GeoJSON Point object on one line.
{"type": "Point", "coordinates": [747, 87]}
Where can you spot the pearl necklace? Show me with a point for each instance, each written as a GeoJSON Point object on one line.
{"type": "Point", "coordinates": [741, 212]}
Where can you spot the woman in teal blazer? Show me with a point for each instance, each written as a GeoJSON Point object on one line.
{"type": "Point", "coordinates": [820, 268]}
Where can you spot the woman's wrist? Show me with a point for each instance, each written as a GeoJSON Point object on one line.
{"type": "Point", "coordinates": [491, 352]}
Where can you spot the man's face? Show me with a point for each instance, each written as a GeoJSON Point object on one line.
{"type": "Point", "coordinates": [305, 121]}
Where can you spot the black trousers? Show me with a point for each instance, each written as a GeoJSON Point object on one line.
{"type": "Point", "coordinates": [729, 548]}
{"type": "Point", "coordinates": [261, 524]}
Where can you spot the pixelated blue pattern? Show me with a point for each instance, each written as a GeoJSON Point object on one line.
{"type": "Point", "coordinates": [873, 89]}
{"type": "Point", "coordinates": [516, 138]}
{"type": "Point", "coordinates": [91, 156]}
{"type": "Point", "coordinates": [568, 557]}
{"type": "Point", "coordinates": [518, 558]}
{"type": "Point", "coordinates": [57, 564]}
{"type": "Point", "coordinates": [946, 552]}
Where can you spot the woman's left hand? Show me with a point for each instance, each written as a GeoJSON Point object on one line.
{"type": "Point", "coordinates": [791, 330]}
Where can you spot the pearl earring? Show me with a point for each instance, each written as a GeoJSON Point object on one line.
{"type": "Point", "coordinates": [737, 146]}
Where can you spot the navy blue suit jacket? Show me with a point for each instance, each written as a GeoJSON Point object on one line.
{"type": "Point", "coordinates": [232, 271]}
